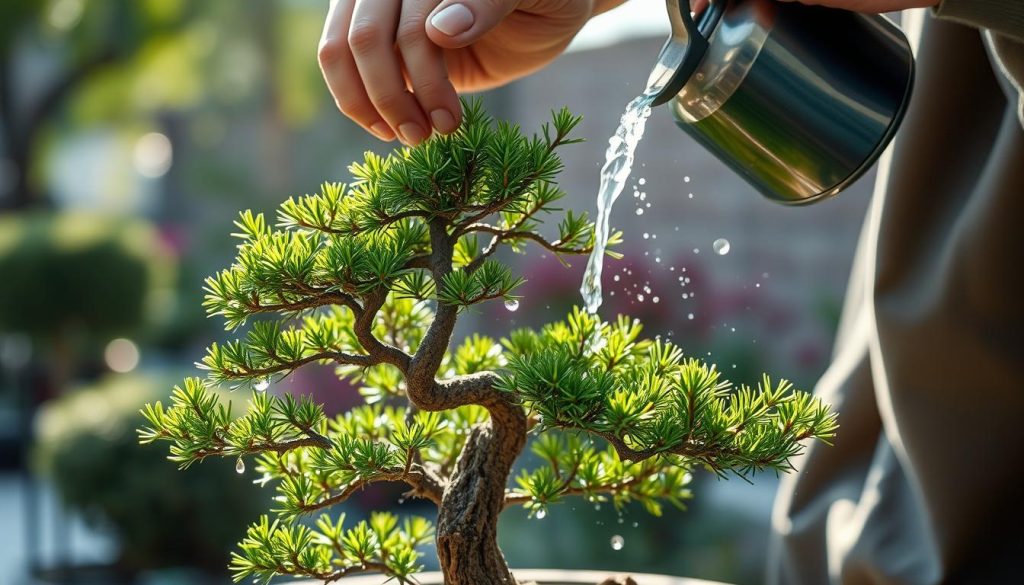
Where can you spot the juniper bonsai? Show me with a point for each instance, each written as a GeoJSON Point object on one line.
{"type": "Point", "coordinates": [371, 277]}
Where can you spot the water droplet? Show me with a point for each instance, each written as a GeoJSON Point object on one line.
{"type": "Point", "coordinates": [690, 316]}
{"type": "Point", "coordinates": [240, 466]}
{"type": "Point", "coordinates": [690, 195]}
{"type": "Point", "coordinates": [636, 524]}
{"type": "Point", "coordinates": [686, 179]}
{"type": "Point", "coordinates": [261, 386]}
{"type": "Point", "coordinates": [512, 304]}
{"type": "Point", "coordinates": [616, 278]}
{"type": "Point", "coordinates": [618, 542]}
{"type": "Point", "coordinates": [696, 250]}
{"type": "Point", "coordinates": [647, 236]}
{"type": "Point", "coordinates": [758, 285]}
{"type": "Point", "coordinates": [642, 181]}
{"type": "Point", "coordinates": [597, 507]}
{"type": "Point", "coordinates": [541, 514]}
{"type": "Point", "coordinates": [639, 211]}
{"type": "Point", "coordinates": [640, 298]}
{"type": "Point", "coordinates": [647, 289]}
{"type": "Point", "coordinates": [621, 520]}
{"type": "Point", "coordinates": [721, 246]}
{"type": "Point", "coordinates": [656, 300]}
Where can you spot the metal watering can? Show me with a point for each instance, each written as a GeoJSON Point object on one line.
{"type": "Point", "coordinates": [798, 100]}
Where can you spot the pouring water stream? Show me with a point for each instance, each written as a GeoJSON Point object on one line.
{"type": "Point", "coordinates": [617, 167]}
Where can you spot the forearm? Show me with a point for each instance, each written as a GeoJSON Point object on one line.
{"type": "Point", "coordinates": [1002, 16]}
{"type": "Point", "coordinates": [605, 5]}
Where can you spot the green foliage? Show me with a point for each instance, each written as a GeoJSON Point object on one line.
{"type": "Point", "coordinates": [371, 277]}
{"type": "Point", "coordinates": [646, 399]}
{"type": "Point", "coordinates": [119, 277]}
{"type": "Point", "coordinates": [330, 551]}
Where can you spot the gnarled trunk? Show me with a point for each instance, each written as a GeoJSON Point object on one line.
{"type": "Point", "coordinates": [467, 524]}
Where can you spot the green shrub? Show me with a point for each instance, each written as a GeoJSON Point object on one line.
{"type": "Point", "coordinates": [87, 446]}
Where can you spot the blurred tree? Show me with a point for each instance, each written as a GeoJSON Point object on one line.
{"type": "Point", "coordinates": [79, 41]}
{"type": "Point", "coordinates": [74, 278]}
{"type": "Point", "coordinates": [86, 444]}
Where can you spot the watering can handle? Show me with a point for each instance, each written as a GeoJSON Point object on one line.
{"type": "Point", "coordinates": [683, 51]}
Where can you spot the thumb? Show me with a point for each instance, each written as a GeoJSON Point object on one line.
{"type": "Point", "coordinates": [457, 23]}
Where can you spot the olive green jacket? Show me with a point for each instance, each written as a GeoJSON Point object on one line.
{"type": "Point", "coordinates": [923, 484]}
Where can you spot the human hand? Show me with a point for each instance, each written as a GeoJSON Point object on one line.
{"type": "Point", "coordinates": [394, 66]}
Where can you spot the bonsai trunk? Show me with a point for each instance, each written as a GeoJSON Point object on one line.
{"type": "Point", "coordinates": [467, 524]}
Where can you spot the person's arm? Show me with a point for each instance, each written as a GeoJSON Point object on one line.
{"type": "Point", "coordinates": [606, 5]}
{"type": "Point", "coordinates": [1002, 16]}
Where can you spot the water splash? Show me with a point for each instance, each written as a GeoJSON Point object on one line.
{"type": "Point", "coordinates": [616, 169]}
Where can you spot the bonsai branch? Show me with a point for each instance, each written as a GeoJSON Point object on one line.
{"type": "Point", "coordinates": [338, 357]}
{"type": "Point", "coordinates": [378, 350]}
{"type": "Point", "coordinates": [423, 485]}
{"type": "Point", "coordinates": [513, 498]}
{"type": "Point", "coordinates": [512, 234]}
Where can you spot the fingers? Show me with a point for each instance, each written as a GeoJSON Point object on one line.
{"type": "Point", "coordinates": [425, 67]}
{"type": "Point", "coordinates": [339, 70]}
{"type": "Point", "coordinates": [457, 23]}
{"type": "Point", "coordinates": [372, 40]}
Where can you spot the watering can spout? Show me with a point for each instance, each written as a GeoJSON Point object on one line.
{"type": "Point", "coordinates": [683, 50]}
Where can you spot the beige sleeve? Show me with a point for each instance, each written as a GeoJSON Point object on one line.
{"type": "Point", "coordinates": [1002, 16]}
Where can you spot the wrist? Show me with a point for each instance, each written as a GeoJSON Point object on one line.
{"type": "Point", "coordinates": [605, 5]}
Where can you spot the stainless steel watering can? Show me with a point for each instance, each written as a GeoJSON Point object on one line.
{"type": "Point", "coordinates": [798, 100]}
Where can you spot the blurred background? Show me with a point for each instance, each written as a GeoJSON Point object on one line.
{"type": "Point", "coordinates": [131, 133]}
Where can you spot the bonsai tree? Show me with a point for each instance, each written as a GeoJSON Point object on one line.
{"type": "Point", "coordinates": [372, 277]}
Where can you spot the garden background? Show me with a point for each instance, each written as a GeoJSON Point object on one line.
{"type": "Point", "coordinates": [131, 133]}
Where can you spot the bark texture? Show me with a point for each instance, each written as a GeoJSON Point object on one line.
{"type": "Point", "coordinates": [467, 526]}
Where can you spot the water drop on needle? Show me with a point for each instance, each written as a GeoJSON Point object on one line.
{"type": "Point", "coordinates": [721, 246]}
{"type": "Point", "coordinates": [541, 514]}
{"type": "Point", "coordinates": [240, 466]}
{"type": "Point", "coordinates": [618, 542]}
{"type": "Point", "coordinates": [512, 304]}
{"type": "Point", "coordinates": [260, 386]}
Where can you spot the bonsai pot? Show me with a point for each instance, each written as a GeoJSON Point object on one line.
{"type": "Point", "coordinates": [545, 577]}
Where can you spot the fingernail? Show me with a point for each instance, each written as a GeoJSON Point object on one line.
{"type": "Point", "coordinates": [411, 133]}
{"type": "Point", "coordinates": [444, 121]}
{"type": "Point", "coordinates": [453, 20]}
{"type": "Point", "coordinates": [383, 131]}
